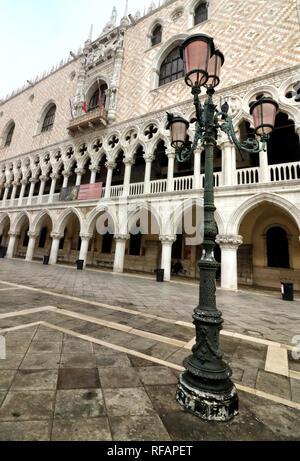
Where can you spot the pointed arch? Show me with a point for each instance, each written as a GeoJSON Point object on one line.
{"type": "Point", "coordinates": [38, 220]}
{"type": "Point", "coordinates": [62, 219]}
{"type": "Point", "coordinates": [19, 221]}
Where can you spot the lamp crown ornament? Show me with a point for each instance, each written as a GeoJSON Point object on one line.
{"type": "Point", "coordinates": [205, 388]}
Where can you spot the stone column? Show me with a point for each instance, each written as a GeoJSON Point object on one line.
{"type": "Point", "coordinates": [66, 175]}
{"type": "Point", "coordinates": [264, 173]}
{"type": "Point", "coordinates": [79, 172]}
{"type": "Point", "coordinates": [14, 191]}
{"type": "Point", "coordinates": [229, 245]}
{"type": "Point", "coordinates": [166, 254]}
{"type": "Point", "coordinates": [54, 177]}
{"type": "Point", "coordinates": [197, 168]}
{"type": "Point", "coordinates": [33, 182]}
{"type": "Point", "coordinates": [23, 182]}
{"type": "Point", "coordinates": [43, 180]}
{"type": "Point", "coordinates": [228, 163]}
{"type": "Point", "coordinates": [94, 171]}
{"type": "Point", "coordinates": [84, 247]}
{"type": "Point", "coordinates": [147, 181]}
{"type": "Point", "coordinates": [126, 184]}
{"type": "Point", "coordinates": [170, 182]}
{"type": "Point", "coordinates": [31, 246]}
{"type": "Point", "coordinates": [110, 167]}
{"type": "Point", "coordinates": [7, 187]}
{"type": "Point", "coordinates": [54, 247]}
{"type": "Point", "coordinates": [120, 252]}
{"type": "Point", "coordinates": [11, 244]}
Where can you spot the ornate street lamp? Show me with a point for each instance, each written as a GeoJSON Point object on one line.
{"type": "Point", "coordinates": [205, 388]}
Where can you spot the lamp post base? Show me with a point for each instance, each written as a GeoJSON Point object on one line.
{"type": "Point", "coordinates": [207, 405]}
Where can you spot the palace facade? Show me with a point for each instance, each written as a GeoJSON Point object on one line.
{"type": "Point", "coordinates": [150, 209]}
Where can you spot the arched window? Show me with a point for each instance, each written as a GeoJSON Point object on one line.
{"type": "Point", "coordinates": [277, 248]}
{"type": "Point", "coordinates": [26, 238]}
{"type": "Point", "coordinates": [49, 119]}
{"type": "Point", "coordinates": [94, 101]}
{"type": "Point", "coordinates": [43, 237]}
{"type": "Point", "coordinates": [156, 35]}
{"type": "Point", "coordinates": [201, 13]}
{"type": "Point", "coordinates": [9, 135]}
{"type": "Point", "coordinates": [172, 67]}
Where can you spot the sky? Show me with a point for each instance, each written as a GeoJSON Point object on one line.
{"type": "Point", "coordinates": [37, 34]}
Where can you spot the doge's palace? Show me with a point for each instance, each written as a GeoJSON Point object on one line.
{"type": "Point", "coordinates": [96, 124]}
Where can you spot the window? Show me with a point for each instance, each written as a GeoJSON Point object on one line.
{"type": "Point", "coordinates": [135, 244]}
{"type": "Point", "coordinates": [94, 101]}
{"type": "Point", "coordinates": [277, 248]}
{"type": "Point", "coordinates": [107, 243]}
{"type": "Point", "coordinates": [9, 135]}
{"type": "Point", "coordinates": [43, 237]}
{"type": "Point", "coordinates": [156, 35]}
{"type": "Point", "coordinates": [172, 67]}
{"type": "Point", "coordinates": [201, 13]}
{"type": "Point", "coordinates": [49, 119]}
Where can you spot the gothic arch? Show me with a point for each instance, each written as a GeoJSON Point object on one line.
{"type": "Point", "coordinates": [170, 44]}
{"type": "Point", "coordinates": [5, 131]}
{"type": "Point", "coordinates": [191, 14]}
{"type": "Point", "coordinates": [132, 216]}
{"type": "Point", "coordinates": [154, 24]}
{"type": "Point", "coordinates": [94, 214]}
{"type": "Point", "coordinates": [238, 215]}
{"type": "Point", "coordinates": [50, 103]}
{"type": "Point", "coordinates": [38, 220]}
{"type": "Point", "coordinates": [62, 219]}
{"type": "Point", "coordinates": [19, 220]}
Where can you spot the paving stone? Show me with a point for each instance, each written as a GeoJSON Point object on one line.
{"type": "Point", "coordinates": [11, 363]}
{"type": "Point", "coordinates": [41, 361]}
{"type": "Point", "coordinates": [77, 360]}
{"type": "Point", "coordinates": [35, 379]}
{"type": "Point", "coordinates": [25, 431]}
{"type": "Point", "coordinates": [273, 384]}
{"type": "Point", "coordinates": [114, 378]}
{"type": "Point", "coordinates": [83, 403]}
{"type": "Point", "coordinates": [280, 419]}
{"type": "Point", "coordinates": [163, 398]}
{"type": "Point", "coordinates": [2, 396]}
{"type": "Point", "coordinates": [85, 430]}
{"type": "Point", "coordinates": [78, 378]}
{"type": "Point", "coordinates": [27, 405]}
{"type": "Point", "coordinates": [115, 359]}
{"type": "Point", "coordinates": [76, 345]}
{"type": "Point", "coordinates": [6, 377]}
{"type": "Point", "coordinates": [139, 362]}
{"type": "Point", "coordinates": [295, 388]}
{"type": "Point", "coordinates": [129, 401]}
{"type": "Point", "coordinates": [138, 428]}
{"type": "Point", "coordinates": [39, 347]}
{"type": "Point", "coordinates": [156, 375]}
{"type": "Point", "coordinates": [48, 335]}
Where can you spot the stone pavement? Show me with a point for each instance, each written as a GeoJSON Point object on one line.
{"type": "Point", "coordinates": [92, 356]}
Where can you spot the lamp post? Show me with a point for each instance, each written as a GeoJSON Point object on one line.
{"type": "Point", "coordinates": [205, 388]}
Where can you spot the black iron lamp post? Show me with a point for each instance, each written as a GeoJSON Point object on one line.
{"type": "Point", "coordinates": [205, 388]}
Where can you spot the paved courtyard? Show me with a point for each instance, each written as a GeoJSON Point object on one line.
{"type": "Point", "coordinates": [96, 356]}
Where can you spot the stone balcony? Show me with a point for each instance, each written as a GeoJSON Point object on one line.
{"type": "Point", "coordinates": [92, 119]}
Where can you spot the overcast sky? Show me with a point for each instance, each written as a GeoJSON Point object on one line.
{"type": "Point", "coordinates": [36, 34]}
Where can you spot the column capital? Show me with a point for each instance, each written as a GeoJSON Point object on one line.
{"type": "Point", "coordinates": [120, 237]}
{"type": "Point", "coordinates": [230, 242]}
{"type": "Point", "coordinates": [24, 182]}
{"type": "Point", "coordinates": [198, 150]}
{"type": "Point", "coordinates": [110, 165]}
{"type": "Point", "coordinates": [167, 239]}
{"type": "Point", "coordinates": [170, 153]}
{"type": "Point", "coordinates": [85, 236]}
{"type": "Point", "coordinates": [16, 183]}
{"type": "Point", "coordinates": [128, 161]}
{"type": "Point", "coordinates": [66, 174]}
{"type": "Point", "coordinates": [80, 171]}
{"type": "Point", "coordinates": [94, 169]}
{"type": "Point", "coordinates": [56, 235]}
{"type": "Point", "coordinates": [13, 234]}
{"type": "Point", "coordinates": [43, 178]}
{"type": "Point", "coordinates": [225, 143]}
{"type": "Point", "coordinates": [33, 235]}
{"type": "Point", "coordinates": [149, 158]}
{"type": "Point", "coordinates": [33, 180]}
{"type": "Point", "coordinates": [54, 176]}
{"type": "Point", "coordinates": [7, 185]}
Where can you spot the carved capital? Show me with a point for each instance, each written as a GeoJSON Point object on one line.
{"type": "Point", "coordinates": [24, 182]}
{"type": "Point", "coordinates": [121, 237]}
{"type": "Point", "coordinates": [33, 180]}
{"type": "Point", "coordinates": [43, 178]}
{"type": "Point", "coordinates": [56, 235]}
{"type": "Point", "coordinates": [94, 169]}
{"type": "Point", "coordinates": [85, 236]}
{"type": "Point", "coordinates": [230, 242]}
{"type": "Point", "coordinates": [170, 154]}
{"type": "Point", "coordinates": [167, 239]}
{"type": "Point", "coordinates": [110, 165]}
{"type": "Point", "coordinates": [33, 235]}
{"type": "Point", "coordinates": [13, 234]}
{"type": "Point", "coordinates": [54, 176]}
{"type": "Point", "coordinates": [79, 171]}
{"type": "Point", "coordinates": [128, 161]}
{"type": "Point", "coordinates": [149, 158]}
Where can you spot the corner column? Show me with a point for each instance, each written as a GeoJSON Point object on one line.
{"type": "Point", "coordinates": [31, 246]}
{"type": "Point", "coordinates": [166, 254]}
{"type": "Point", "coordinates": [120, 252]}
{"type": "Point", "coordinates": [11, 244]}
{"type": "Point", "coordinates": [229, 245]}
{"type": "Point", "coordinates": [54, 247]}
{"type": "Point", "coordinates": [84, 248]}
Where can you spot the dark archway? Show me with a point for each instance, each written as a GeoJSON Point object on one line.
{"type": "Point", "coordinates": [283, 146]}
{"type": "Point", "coordinates": [277, 248]}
